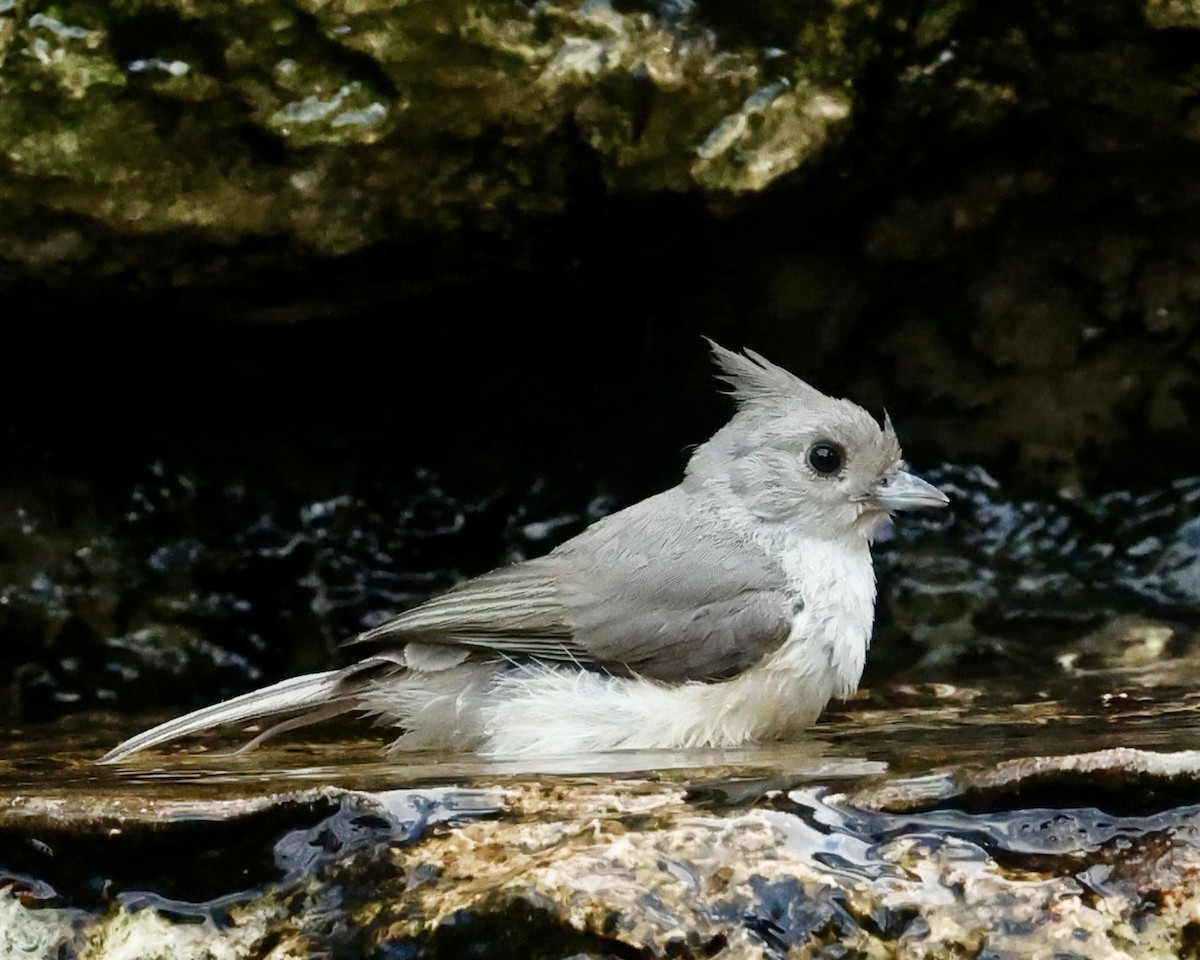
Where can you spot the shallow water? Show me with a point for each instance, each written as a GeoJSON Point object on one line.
{"type": "Point", "coordinates": [899, 730]}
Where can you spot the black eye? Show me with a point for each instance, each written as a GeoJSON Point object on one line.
{"type": "Point", "coordinates": [826, 458]}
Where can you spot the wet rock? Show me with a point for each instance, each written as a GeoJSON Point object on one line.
{"type": "Point", "coordinates": [1119, 778]}
{"type": "Point", "coordinates": [335, 124]}
{"type": "Point", "coordinates": [1126, 643]}
{"type": "Point", "coordinates": [633, 868]}
{"type": "Point", "coordinates": [1003, 581]}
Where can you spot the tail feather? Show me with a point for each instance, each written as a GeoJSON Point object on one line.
{"type": "Point", "coordinates": [327, 712]}
{"type": "Point", "coordinates": [323, 694]}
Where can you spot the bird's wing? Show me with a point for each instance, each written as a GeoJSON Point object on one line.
{"type": "Point", "coordinates": [660, 589]}
{"type": "Point", "coordinates": [669, 591]}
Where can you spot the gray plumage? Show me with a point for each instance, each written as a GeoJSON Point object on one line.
{"type": "Point", "coordinates": [738, 601]}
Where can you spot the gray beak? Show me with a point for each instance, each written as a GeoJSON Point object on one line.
{"type": "Point", "coordinates": [904, 491]}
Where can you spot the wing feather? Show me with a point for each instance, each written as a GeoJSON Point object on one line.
{"type": "Point", "coordinates": [515, 611]}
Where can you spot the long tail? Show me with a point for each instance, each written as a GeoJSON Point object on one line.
{"type": "Point", "coordinates": [318, 695]}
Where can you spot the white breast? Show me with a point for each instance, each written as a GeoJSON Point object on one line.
{"type": "Point", "coordinates": [836, 581]}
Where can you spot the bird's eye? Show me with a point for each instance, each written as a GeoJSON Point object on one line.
{"type": "Point", "coordinates": [826, 458]}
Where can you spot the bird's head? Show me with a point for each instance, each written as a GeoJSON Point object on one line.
{"type": "Point", "coordinates": [793, 454]}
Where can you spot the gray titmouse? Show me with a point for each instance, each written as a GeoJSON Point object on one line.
{"type": "Point", "coordinates": [728, 609]}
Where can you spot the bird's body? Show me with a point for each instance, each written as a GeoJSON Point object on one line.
{"type": "Point", "coordinates": [555, 707]}
{"type": "Point", "coordinates": [728, 609]}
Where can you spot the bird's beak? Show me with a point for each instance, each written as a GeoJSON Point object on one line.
{"type": "Point", "coordinates": [901, 490]}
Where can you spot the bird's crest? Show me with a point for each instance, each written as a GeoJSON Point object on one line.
{"type": "Point", "coordinates": [889, 431]}
{"type": "Point", "coordinates": [753, 378]}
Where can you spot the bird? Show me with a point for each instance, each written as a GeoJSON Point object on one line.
{"type": "Point", "coordinates": [724, 611]}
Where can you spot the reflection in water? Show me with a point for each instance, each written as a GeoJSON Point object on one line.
{"type": "Point", "coordinates": [360, 764]}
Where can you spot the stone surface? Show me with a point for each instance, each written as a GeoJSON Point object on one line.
{"type": "Point", "coordinates": [638, 868]}
{"type": "Point", "coordinates": [331, 124]}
